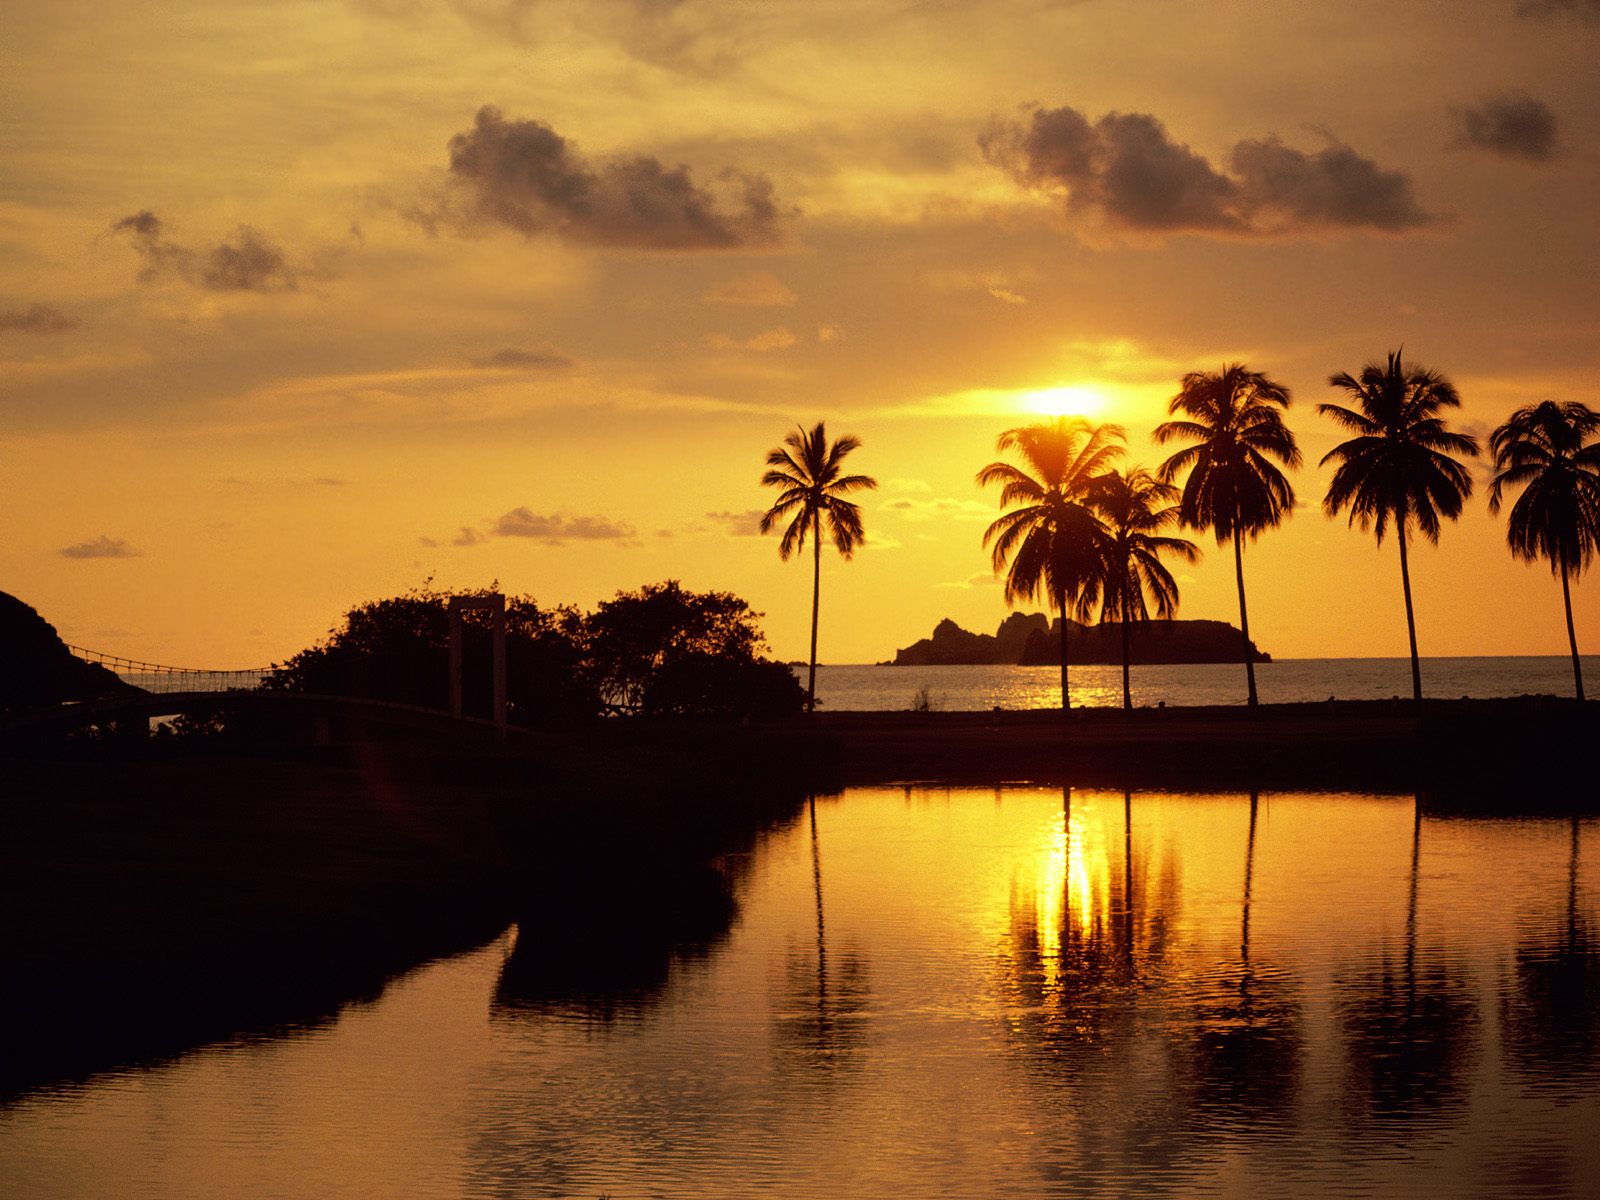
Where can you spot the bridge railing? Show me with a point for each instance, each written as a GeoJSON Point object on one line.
{"type": "Point", "coordinates": [160, 678]}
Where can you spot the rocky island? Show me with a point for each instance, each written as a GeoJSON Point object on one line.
{"type": "Point", "coordinates": [1031, 639]}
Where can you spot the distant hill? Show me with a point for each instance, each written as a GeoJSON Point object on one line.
{"type": "Point", "coordinates": [1031, 639]}
{"type": "Point", "coordinates": [37, 666]}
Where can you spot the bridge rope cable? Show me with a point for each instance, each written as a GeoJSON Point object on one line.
{"type": "Point", "coordinates": [161, 677]}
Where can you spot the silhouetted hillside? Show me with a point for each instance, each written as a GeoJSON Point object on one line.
{"type": "Point", "coordinates": [1030, 639]}
{"type": "Point", "coordinates": [38, 667]}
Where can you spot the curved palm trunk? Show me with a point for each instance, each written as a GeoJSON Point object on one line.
{"type": "Point", "coordinates": [816, 600]}
{"type": "Point", "coordinates": [1244, 615]}
{"type": "Point", "coordinates": [1411, 620]}
{"type": "Point", "coordinates": [1572, 637]}
{"type": "Point", "coordinates": [1061, 607]}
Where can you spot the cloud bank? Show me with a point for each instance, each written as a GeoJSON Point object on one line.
{"type": "Point", "coordinates": [100, 547]}
{"type": "Point", "coordinates": [513, 358]}
{"type": "Point", "coordinates": [1513, 125]}
{"type": "Point", "coordinates": [1128, 171]}
{"type": "Point", "coordinates": [524, 177]}
{"type": "Point", "coordinates": [37, 318]}
{"type": "Point", "coordinates": [247, 263]}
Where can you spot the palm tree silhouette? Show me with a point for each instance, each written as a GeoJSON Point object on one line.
{"type": "Point", "coordinates": [808, 471]}
{"type": "Point", "coordinates": [1134, 505]}
{"type": "Point", "coordinates": [1054, 541]}
{"type": "Point", "coordinates": [1399, 466]}
{"type": "Point", "coordinates": [1547, 449]}
{"type": "Point", "coordinates": [1233, 487]}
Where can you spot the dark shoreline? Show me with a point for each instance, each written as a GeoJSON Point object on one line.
{"type": "Point", "coordinates": [1458, 747]}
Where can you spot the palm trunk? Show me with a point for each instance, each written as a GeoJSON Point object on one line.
{"type": "Point", "coordinates": [1127, 649]}
{"type": "Point", "coordinates": [1061, 607]}
{"type": "Point", "coordinates": [1244, 615]}
{"type": "Point", "coordinates": [816, 599]}
{"type": "Point", "coordinates": [1411, 620]}
{"type": "Point", "coordinates": [1572, 637]}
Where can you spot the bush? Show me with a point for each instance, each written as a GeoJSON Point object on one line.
{"type": "Point", "coordinates": [661, 650]}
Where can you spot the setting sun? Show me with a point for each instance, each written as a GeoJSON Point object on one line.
{"type": "Point", "coordinates": [1068, 401]}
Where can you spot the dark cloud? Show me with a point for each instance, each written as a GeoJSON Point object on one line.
{"type": "Point", "coordinates": [523, 176]}
{"type": "Point", "coordinates": [527, 360]}
{"type": "Point", "coordinates": [1583, 10]}
{"type": "Point", "coordinates": [1335, 188]}
{"type": "Point", "coordinates": [1128, 169]}
{"type": "Point", "coordinates": [738, 524]}
{"type": "Point", "coordinates": [1513, 125]}
{"type": "Point", "coordinates": [100, 547]}
{"type": "Point", "coordinates": [247, 263]}
{"type": "Point", "coordinates": [38, 318]}
{"type": "Point", "coordinates": [520, 522]}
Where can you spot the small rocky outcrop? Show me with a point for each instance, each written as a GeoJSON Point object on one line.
{"type": "Point", "coordinates": [1031, 639]}
{"type": "Point", "coordinates": [37, 668]}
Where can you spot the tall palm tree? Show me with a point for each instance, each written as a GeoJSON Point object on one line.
{"type": "Point", "coordinates": [1135, 506]}
{"type": "Point", "coordinates": [1054, 541]}
{"type": "Point", "coordinates": [814, 486]}
{"type": "Point", "coordinates": [1548, 449]}
{"type": "Point", "coordinates": [1234, 488]}
{"type": "Point", "coordinates": [1400, 466]}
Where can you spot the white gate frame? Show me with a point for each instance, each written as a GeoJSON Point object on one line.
{"type": "Point", "coordinates": [495, 605]}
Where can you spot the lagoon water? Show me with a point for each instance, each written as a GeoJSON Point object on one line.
{"type": "Point", "coordinates": [1294, 680]}
{"type": "Point", "coordinates": [969, 992]}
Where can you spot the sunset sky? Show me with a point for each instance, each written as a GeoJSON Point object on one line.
{"type": "Point", "coordinates": [302, 303]}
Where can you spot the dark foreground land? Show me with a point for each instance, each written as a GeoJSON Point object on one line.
{"type": "Point", "coordinates": [161, 895]}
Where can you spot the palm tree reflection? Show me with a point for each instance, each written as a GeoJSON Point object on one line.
{"type": "Point", "coordinates": [1409, 1035]}
{"type": "Point", "coordinates": [1550, 1012]}
{"type": "Point", "coordinates": [1084, 948]}
{"type": "Point", "coordinates": [820, 1020]}
{"type": "Point", "coordinates": [1246, 1053]}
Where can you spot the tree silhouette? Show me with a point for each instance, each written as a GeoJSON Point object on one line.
{"type": "Point", "coordinates": [1135, 505]}
{"type": "Point", "coordinates": [1400, 466]}
{"type": "Point", "coordinates": [1547, 450]}
{"type": "Point", "coordinates": [1233, 488]}
{"type": "Point", "coordinates": [1054, 542]}
{"type": "Point", "coordinates": [808, 470]}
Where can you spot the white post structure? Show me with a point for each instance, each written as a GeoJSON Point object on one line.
{"type": "Point", "coordinates": [495, 605]}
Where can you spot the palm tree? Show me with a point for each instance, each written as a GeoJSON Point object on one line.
{"type": "Point", "coordinates": [1233, 488]}
{"type": "Point", "coordinates": [1399, 466]}
{"type": "Point", "coordinates": [1054, 541]}
{"type": "Point", "coordinates": [1548, 449]}
{"type": "Point", "coordinates": [1135, 506]}
{"type": "Point", "coordinates": [814, 487]}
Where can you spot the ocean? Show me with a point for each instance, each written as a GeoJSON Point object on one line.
{"type": "Point", "coordinates": [1286, 681]}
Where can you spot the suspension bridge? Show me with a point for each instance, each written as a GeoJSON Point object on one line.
{"type": "Point", "coordinates": [160, 679]}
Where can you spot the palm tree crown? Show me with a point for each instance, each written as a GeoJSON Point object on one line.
{"type": "Point", "coordinates": [1135, 507]}
{"type": "Point", "coordinates": [1234, 487]}
{"type": "Point", "coordinates": [1400, 466]}
{"type": "Point", "coordinates": [814, 487]}
{"type": "Point", "coordinates": [1053, 541]}
{"type": "Point", "coordinates": [1548, 450]}
{"type": "Point", "coordinates": [1235, 421]}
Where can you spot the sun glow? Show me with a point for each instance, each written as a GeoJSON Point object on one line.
{"type": "Point", "coordinates": [1064, 401]}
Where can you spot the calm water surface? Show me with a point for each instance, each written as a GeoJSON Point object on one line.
{"type": "Point", "coordinates": [955, 993]}
{"type": "Point", "coordinates": [1294, 680]}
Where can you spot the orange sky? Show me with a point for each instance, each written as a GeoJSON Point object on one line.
{"type": "Point", "coordinates": [304, 302]}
